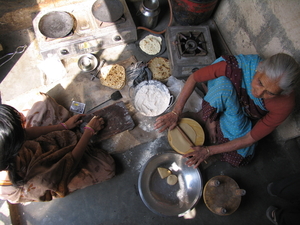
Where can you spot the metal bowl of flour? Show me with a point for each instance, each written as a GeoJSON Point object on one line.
{"type": "Point", "coordinates": [152, 98]}
{"type": "Point", "coordinates": [165, 199]}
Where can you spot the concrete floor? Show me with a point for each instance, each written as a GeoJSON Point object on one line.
{"type": "Point", "coordinates": [117, 201]}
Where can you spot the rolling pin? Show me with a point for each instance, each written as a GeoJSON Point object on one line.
{"type": "Point", "coordinates": [184, 135]}
{"type": "Point", "coordinates": [186, 138]}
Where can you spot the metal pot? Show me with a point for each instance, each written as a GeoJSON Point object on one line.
{"type": "Point", "coordinates": [56, 24]}
{"type": "Point", "coordinates": [150, 11]}
{"type": "Point", "coordinates": [155, 90]}
{"type": "Point", "coordinates": [108, 10]}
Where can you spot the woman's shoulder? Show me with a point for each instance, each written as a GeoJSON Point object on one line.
{"type": "Point", "coordinates": [281, 102]}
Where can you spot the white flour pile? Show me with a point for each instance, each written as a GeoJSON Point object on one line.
{"type": "Point", "coordinates": [151, 100]}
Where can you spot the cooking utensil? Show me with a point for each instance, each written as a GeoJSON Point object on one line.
{"type": "Point", "coordinates": [95, 75]}
{"type": "Point", "coordinates": [200, 136]}
{"type": "Point", "coordinates": [222, 195]}
{"type": "Point", "coordinates": [19, 50]}
{"type": "Point", "coordinates": [107, 11]}
{"type": "Point", "coordinates": [114, 96]}
{"type": "Point", "coordinates": [162, 198]}
{"type": "Point", "coordinates": [149, 9]}
{"type": "Point", "coordinates": [184, 135]}
{"type": "Point", "coordinates": [56, 24]}
{"type": "Point", "coordinates": [116, 117]}
{"type": "Point", "coordinates": [146, 106]}
{"type": "Point", "coordinates": [88, 62]}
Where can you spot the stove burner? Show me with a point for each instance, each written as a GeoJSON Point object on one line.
{"type": "Point", "coordinates": [104, 24]}
{"type": "Point", "coordinates": [68, 35]}
{"type": "Point", "coordinates": [89, 35]}
{"type": "Point", "coordinates": [191, 44]}
{"type": "Point", "coordinates": [189, 48]}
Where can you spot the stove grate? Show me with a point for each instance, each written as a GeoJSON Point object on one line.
{"type": "Point", "coordinates": [191, 44]}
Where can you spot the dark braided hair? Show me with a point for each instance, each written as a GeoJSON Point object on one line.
{"type": "Point", "coordinates": [12, 137]}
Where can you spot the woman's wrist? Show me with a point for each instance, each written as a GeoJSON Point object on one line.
{"type": "Point", "coordinates": [89, 129]}
{"type": "Point", "coordinates": [208, 153]}
{"type": "Point", "coordinates": [176, 112]}
{"type": "Point", "coordinates": [64, 126]}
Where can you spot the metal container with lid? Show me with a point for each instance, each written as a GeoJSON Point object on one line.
{"type": "Point", "coordinates": [149, 10]}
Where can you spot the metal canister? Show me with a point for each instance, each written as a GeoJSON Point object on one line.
{"type": "Point", "coordinates": [150, 11]}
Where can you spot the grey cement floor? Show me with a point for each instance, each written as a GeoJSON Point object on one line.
{"type": "Point", "coordinates": [117, 201]}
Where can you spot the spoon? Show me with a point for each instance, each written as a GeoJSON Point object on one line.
{"type": "Point", "coordinates": [114, 96]}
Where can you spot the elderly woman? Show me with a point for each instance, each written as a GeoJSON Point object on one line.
{"type": "Point", "coordinates": [43, 157]}
{"type": "Point", "coordinates": [247, 99]}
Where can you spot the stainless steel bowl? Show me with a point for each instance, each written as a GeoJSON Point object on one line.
{"type": "Point", "coordinates": [88, 62]}
{"type": "Point", "coordinates": [162, 198]}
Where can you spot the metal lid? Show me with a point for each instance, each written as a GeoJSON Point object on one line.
{"type": "Point", "coordinates": [108, 11]}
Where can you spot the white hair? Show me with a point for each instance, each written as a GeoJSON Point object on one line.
{"type": "Point", "coordinates": [285, 68]}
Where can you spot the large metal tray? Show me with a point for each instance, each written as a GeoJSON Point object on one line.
{"type": "Point", "coordinates": [162, 198]}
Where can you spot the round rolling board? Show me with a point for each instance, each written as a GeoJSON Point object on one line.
{"type": "Point", "coordinates": [193, 131]}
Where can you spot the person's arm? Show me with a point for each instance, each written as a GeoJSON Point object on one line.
{"type": "Point", "coordinates": [203, 152]}
{"type": "Point", "coordinates": [170, 120]}
{"type": "Point", "coordinates": [95, 125]}
{"type": "Point", "coordinates": [35, 132]}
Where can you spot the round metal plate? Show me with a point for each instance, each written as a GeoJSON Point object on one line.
{"type": "Point", "coordinates": [56, 24]}
{"type": "Point", "coordinates": [162, 198]}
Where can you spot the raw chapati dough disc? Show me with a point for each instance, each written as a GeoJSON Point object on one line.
{"type": "Point", "coordinates": [192, 129]}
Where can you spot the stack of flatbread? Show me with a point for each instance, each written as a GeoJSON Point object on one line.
{"type": "Point", "coordinates": [113, 76]}
{"type": "Point", "coordinates": [160, 68]}
{"type": "Point", "coordinates": [151, 44]}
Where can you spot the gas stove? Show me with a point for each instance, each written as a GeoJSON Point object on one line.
{"type": "Point", "coordinates": [189, 48]}
{"type": "Point", "coordinates": [88, 35]}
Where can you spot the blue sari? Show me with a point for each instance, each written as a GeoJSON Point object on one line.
{"type": "Point", "coordinates": [232, 100]}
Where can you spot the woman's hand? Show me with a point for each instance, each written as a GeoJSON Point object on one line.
{"type": "Point", "coordinates": [166, 121]}
{"type": "Point", "coordinates": [74, 121]}
{"type": "Point", "coordinates": [196, 157]}
{"type": "Point", "coordinates": [96, 123]}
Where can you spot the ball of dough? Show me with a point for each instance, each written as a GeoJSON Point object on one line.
{"type": "Point", "coordinates": [172, 179]}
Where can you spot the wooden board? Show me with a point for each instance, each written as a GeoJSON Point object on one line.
{"type": "Point", "coordinates": [117, 119]}
{"type": "Point", "coordinates": [222, 196]}
{"type": "Point", "coordinates": [200, 136]}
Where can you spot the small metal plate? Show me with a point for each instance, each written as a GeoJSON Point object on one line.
{"type": "Point", "coordinates": [165, 199]}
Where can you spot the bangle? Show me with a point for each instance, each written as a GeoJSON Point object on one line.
{"type": "Point", "coordinates": [64, 125]}
{"type": "Point", "coordinates": [89, 128]}
{"type": "Point", "coordinates": [207, 150]}
{"type": "Point", "coordinates": [174, 113]}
